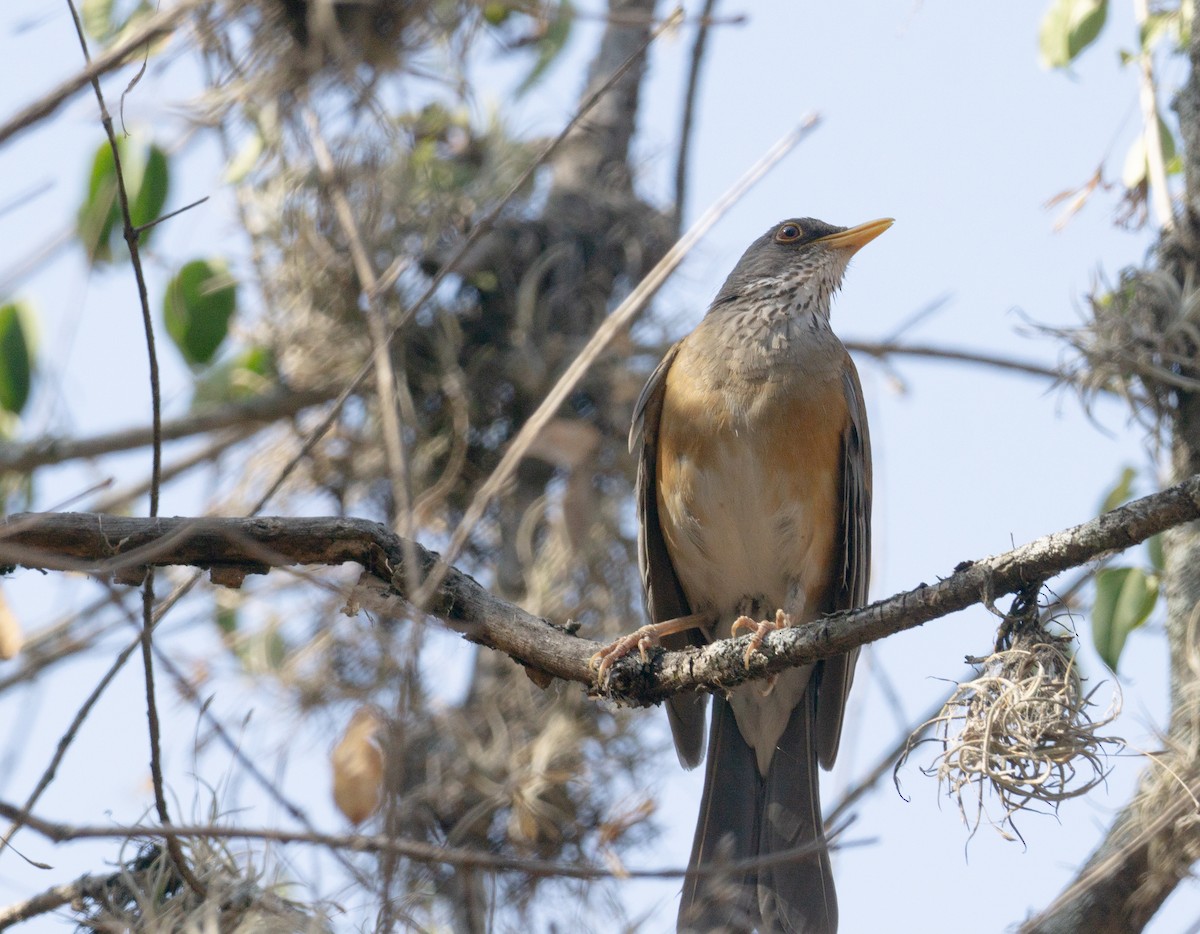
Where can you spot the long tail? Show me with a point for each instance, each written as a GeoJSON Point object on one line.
{"type": "Point", "coordinates": [743, 815]}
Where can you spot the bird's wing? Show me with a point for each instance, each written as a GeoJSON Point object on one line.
{"type": "Point", "coordinates": [664, 595]}
{"type": "Point", "coordinates": [837, 674]}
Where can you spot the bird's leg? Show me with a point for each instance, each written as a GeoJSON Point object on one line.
{"type": "Point", "coordinates": [760, 628]}
{"type": "Point", "coordinates": [642, 639]}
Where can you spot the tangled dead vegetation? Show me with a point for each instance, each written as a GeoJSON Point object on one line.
{"type": "Point", "coordinates": [1024, 729]}
{"type": "Point", "coordinates": [1141, 342]}
{"type": "Point", "coordinates": [147, 896]}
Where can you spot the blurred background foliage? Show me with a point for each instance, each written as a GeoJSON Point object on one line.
{"type": "Point", "coordinates": [275, 323]}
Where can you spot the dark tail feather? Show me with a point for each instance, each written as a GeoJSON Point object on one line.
{"type": "Point", "coordinates": [796, 896]}
{"type": "Point", "coordinates": [743, 816]}
{"type": "Point", "coordinates": [726, 830]}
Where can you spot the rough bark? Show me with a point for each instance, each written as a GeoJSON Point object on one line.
{"type": "Point", "coordinates": [233, 548]}
{"type": "Point", "coordinates": [1153, 842]}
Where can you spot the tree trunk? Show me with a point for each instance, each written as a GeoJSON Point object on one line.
{"type": "Point", "coordinates": [1154, 841]}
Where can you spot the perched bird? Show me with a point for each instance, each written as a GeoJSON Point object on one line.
{"type": "Point", "coordinates": [754, 495]}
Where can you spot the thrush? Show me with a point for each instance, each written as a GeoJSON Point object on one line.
{"type": "Point", "coordinates": [754, 499]}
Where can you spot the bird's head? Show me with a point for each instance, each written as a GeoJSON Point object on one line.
{"type": "Point", "coordinates": [797, 264]}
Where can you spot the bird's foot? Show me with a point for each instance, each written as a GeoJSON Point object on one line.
{"type": "Point", "coordinates": [641, 639]}
{"type": "Point", "coordinates": [760, 629]}
{"type": "Point", "coordinates": [644, 639]}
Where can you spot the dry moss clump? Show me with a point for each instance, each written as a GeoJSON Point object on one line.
{"type": "Point", "coordinates": [1141, 342]}
{"type": "Point", "coordinates": [147, 896]}
{"type": "Point", "coordinates": [1023, 729]}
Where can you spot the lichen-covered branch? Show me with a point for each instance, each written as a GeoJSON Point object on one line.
{"type": "Point", "coordinates": [230, 549]}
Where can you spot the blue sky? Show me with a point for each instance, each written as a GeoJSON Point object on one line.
{"type": "Point", "coordinates": [936, 114]}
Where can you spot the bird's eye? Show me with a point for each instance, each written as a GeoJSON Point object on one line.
{"type": "Point", "coordinates": [789, 233]}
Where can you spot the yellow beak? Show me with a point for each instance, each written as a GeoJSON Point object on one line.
{"type": "Point", "coordinates": [856, 238]}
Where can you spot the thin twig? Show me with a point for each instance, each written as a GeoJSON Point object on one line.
{"type": "Point", "coordinates": [385, 376]}
{"type": "Point", "coordinates": [883, 350]}
{"type": "Point", "coordinates": [169, 215]}
{"type": "Point", "coordinates": [160, 24]}
{"type": "Point", "coordinates": [689, 110]}
{"type": "Point", "coordinates": [23, 197]}
{"type": "Point", "coordinates": [883, 765]}
{"type": "Point", "coordinates": [135, 259]}
{"type": "Point", "coordinates": [19, 815]}
{"type": "Point", "coordinates": [478, 229]}
{"type": "Point", "coordinates": [609, 329]}
{"type": "Point", "coordinates": [55, 897]}
{"type": "Point", "coordinates": [131, 240]}
{"type": "Point", "coordinates": [208, 454]}
{"type": "Point", "coordinates": [24, 458]}
{"type": "Point", "coordinates": [410, 849]}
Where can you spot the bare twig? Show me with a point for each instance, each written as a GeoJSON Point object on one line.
{"type": "Point", "coordinates": [22, 458]}
{"type": "Point", "coordinates": [612, 326]}
{"type": "Point", "coordinates": [169, 215]}
{"type": "Point", "coordinates": [689, 109]}
{"type": "Point", "coordinates": [410, 849]}
{"type": "Point", "coordinates": [18, 815]}
{"type": "Point", "coordinates": [104, 544]}
{"type": "Point", "coordinates": [377, 326]}
{"type": "Point", "coordinates": [478, 229]}
{"type": "Point", "coordinates": [161, 24]}
{"type": "Point", "coordinates": [135, 259]}
{"type": "Point", "coordinates": [886, 349]}
{"type": "Point", "coordinates": [85, 887]}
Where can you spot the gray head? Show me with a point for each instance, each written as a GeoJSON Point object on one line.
{"type": "Point", "coordinates": [796, 265]}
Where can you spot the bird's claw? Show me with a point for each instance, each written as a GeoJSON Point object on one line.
{"type": "Point", "coordinates": [760, 629]}
{"type": "Point", "coordinates": [641, 639]}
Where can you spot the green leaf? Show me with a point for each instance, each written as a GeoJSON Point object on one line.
{"type": "Point", "coordinates": [98, 215]}
{"type": "Point", "coordinates": [1135, 169]}
{"type": "Point", "coordinates": [495, 12]}
{"type": "Point", "coordinates": [148, 192]}
{"type": "Point", "coordinates": [227, 619]}
{"type": "Point", "coordinates": [551, 42]}
{"type": "Point", "coordinates": [1124, 599]}
{"type": "Point", "coordinates": [250, 373]}
{"type": "Point", "coordinates": [1157, 26]}
{"type": "Point", "coordinates": [1120, 492]}
{"type": "Point", "coordinates": [147, 180]}
{"type": "Point", "coordinates": [97, 16]}
{"type": "Point", "coordinates": [200, 300]}
{"type": "Point", "coordinates": [1069, 27]}
{"type": "Point", "coordinates": [16, 358]}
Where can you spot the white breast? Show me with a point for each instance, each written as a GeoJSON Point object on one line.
{"type": "Point", "coordinates": [744, 537]}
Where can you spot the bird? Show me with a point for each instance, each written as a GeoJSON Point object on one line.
{"type": "Point", "coordinates": [754, 500]}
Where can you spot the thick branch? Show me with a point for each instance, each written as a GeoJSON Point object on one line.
{"type": "Point", "coordinates": [1152, 842]}
{"type": "Point", "coordinates": [232, 548]}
